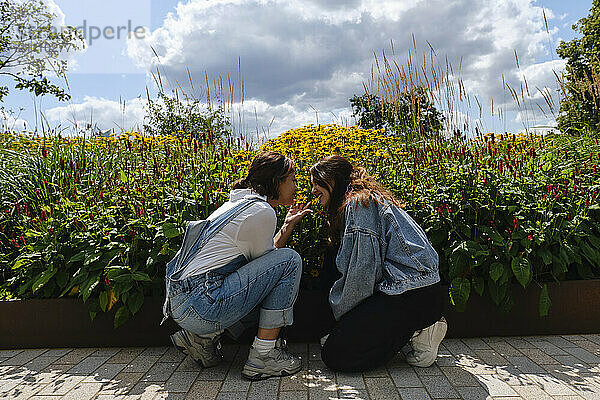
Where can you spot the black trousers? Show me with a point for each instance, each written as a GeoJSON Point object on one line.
{"type": "Point", "coordinates": [371, 334]}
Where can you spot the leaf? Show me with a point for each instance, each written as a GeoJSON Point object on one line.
{"type": "Point", "coordinates": [23, 262]}
{"type": "Point", "coordinates": [507, 303]}
{"type": "Point", "coordinates": [595, 241]}
{"type": "Point", "coordinates": [522, 270]}
{"type": "Point", "coordinates": [62, 278]}
{"type": "Point", "coordinates": [170, 230]}
{"type": "Point", "coordinates": [497, 292]}
{"type": "Point", "coordinates": [544, 303]}
{"type": "Point", "coordinates": [140, 276]}
{"type": "Point", "coordinates": [478, 284]}
{"type": "Point", "coordinates": [122, 287]}
{"type": "Point", "coordinates": [150, 261]}
{"type": "Point", "coordinates": [77, 257]}
{"type": "Point", "coordinates": [135, 301]}
{"type": "Point", "coordinates": [88, 287]}
{"type": "Point", "coordinates": [94, 308]}
{"type": "Point", "coordinates": [589, 253]}
{"type": "Point", "coordinates": [458, 263]}
{"type": "Point", "coordinates": [109, 256]}
{"type": "Point", "coordinates": [496, 271]}
{"type": "Point", "coordinates": [92, 257]}
{"type": "Point", "coordinates": [23, 288]}
{"type": "Point", "coordinates": [111, 300]}
{"type": "Point", "coordinates": [116, 270]}
{"type": "Point", "coordinates": [438, 237]}
{"type": "Point", "coordinates": [103, 300]}
{"type": "Point", "coordinates": [42, 280]}
{"type": "Point", "coordinates": [558, 266]}
{"type": "Point", "coordinates": [459, 292]}
{"type": "Point", "coordinates": [121, 316]}
{"type": "Point", "coordinates": [546, 255]}
{"type": "Point", "coordinates": [123, 176]}
{"type": "Point", "coordinates": [584, 271]}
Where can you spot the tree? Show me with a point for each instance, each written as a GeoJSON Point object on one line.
{"type": "Point", "coordinates": [30, 47]}
{"type": "Point", "coordinates": [172, 115]}
{"type": "Point", "coordinates": [580, 105]}
{"type": "Point", "coordinates": [412, 113]}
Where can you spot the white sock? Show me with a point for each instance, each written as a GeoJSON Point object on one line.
{"type": "Point", "coordinates": [263, 346]}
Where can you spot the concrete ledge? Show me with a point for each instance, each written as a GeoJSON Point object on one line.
{"type": "Point", "coordinates": [65, 322]}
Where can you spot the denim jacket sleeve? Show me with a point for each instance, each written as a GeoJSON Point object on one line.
{"type": "Point", "coordinates": [359, 261]}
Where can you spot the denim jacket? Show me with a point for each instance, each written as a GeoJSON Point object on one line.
{"type": "Point", "coordinates": [382, 248]}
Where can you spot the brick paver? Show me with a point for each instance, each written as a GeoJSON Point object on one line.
{"type": "Point", "coordinates": [540, 367]}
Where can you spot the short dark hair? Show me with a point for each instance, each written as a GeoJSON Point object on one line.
{"type": "Point", "coordinates": [267, 171]}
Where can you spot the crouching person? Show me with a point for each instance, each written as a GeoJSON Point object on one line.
{"type": "Point", "coordinates": [387, 292]}
{"type": "Point", "coordinates": [233, 263]}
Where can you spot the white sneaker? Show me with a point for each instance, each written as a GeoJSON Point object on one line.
{"type": "Point", "coordinates": [205, 350]}
{"type": "Point", "coordinates": [425, 344]}
{"type": "Point", "coordinates": [278, 362]}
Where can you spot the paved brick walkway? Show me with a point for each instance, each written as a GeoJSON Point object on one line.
{"type": "Point", "coordinates": [544, 367]}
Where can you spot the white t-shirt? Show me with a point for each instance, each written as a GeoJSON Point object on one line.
{"type": "Point", "coordinates": [250, 234]}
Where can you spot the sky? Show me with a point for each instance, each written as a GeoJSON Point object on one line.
{"type": "Point", "coordinates": [301, 61]}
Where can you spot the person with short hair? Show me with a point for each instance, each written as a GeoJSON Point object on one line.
{"type": "Point", "coordinates": [232, 263]}
{"type": "Point", "coordinates": [386, 291]}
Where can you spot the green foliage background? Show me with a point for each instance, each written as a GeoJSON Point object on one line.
{"type": "Point", "coordinates": [580, 105]}
{"type": "Point", "coordinates": [99, 219]}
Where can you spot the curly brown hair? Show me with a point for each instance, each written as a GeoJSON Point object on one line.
{"type": "Point", "coordinates": [345, 184]}
{"type": "Point", "coordinates": [267, 170]}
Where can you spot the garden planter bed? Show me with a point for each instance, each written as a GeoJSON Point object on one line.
{"type": "Point", "coordinates": [66, 323]}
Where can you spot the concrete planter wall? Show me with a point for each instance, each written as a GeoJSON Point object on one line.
{"type": "Point", "coordinates": [66, 323]}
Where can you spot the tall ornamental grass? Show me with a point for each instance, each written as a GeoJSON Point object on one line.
{"type": "Point", "coordinates": [499, 210]}
{"type": "Point", "coordinates": [99, 218]}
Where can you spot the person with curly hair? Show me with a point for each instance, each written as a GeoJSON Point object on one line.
{"type": "Point", "coordinates": [386, 291]}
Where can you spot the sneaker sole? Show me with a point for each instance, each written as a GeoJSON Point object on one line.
{"type": "Point", "coordinates": [259, 376]}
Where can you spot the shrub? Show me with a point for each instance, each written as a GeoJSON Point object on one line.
{"type": "Point", "coordinates": [100, 218]}
{"type": "Point", "coordinates": [498, 210]}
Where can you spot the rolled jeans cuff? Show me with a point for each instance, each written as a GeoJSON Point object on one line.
{"type": "Point", "coordinates": [271, 319]}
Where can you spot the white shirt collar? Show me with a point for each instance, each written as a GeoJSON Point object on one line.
{"type": "Point", "coordinates": [238, 194]}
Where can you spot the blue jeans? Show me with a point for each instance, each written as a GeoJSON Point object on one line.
{"type": "Point", "coordinates": [216, 300]}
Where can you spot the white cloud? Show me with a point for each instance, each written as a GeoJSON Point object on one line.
{"type": "Point", "coordinates": [317, 53]}
{"type": "Point", "coordinates": [101, 113]}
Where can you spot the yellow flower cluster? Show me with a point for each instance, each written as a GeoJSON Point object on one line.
{"type": "Point", "coordinates": [308, 144]}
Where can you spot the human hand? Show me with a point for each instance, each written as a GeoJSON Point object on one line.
{"type": "Point", "coordinates": [296, 212]}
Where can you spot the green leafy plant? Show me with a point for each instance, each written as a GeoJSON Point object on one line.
{"type": "Point", "coordinates": [411, 112]}
{"type": "Point", "coordinates": [581, 82]}
{"type": "Point", "coordinates": [100, 218]}
{"type": "Point", "coordinates": [30, 47]}
{"type": "Point", "coordinates": [185, 116]}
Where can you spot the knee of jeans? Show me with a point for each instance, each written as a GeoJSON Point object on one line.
{"type": "Point", "coordinates": [295, 261]}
